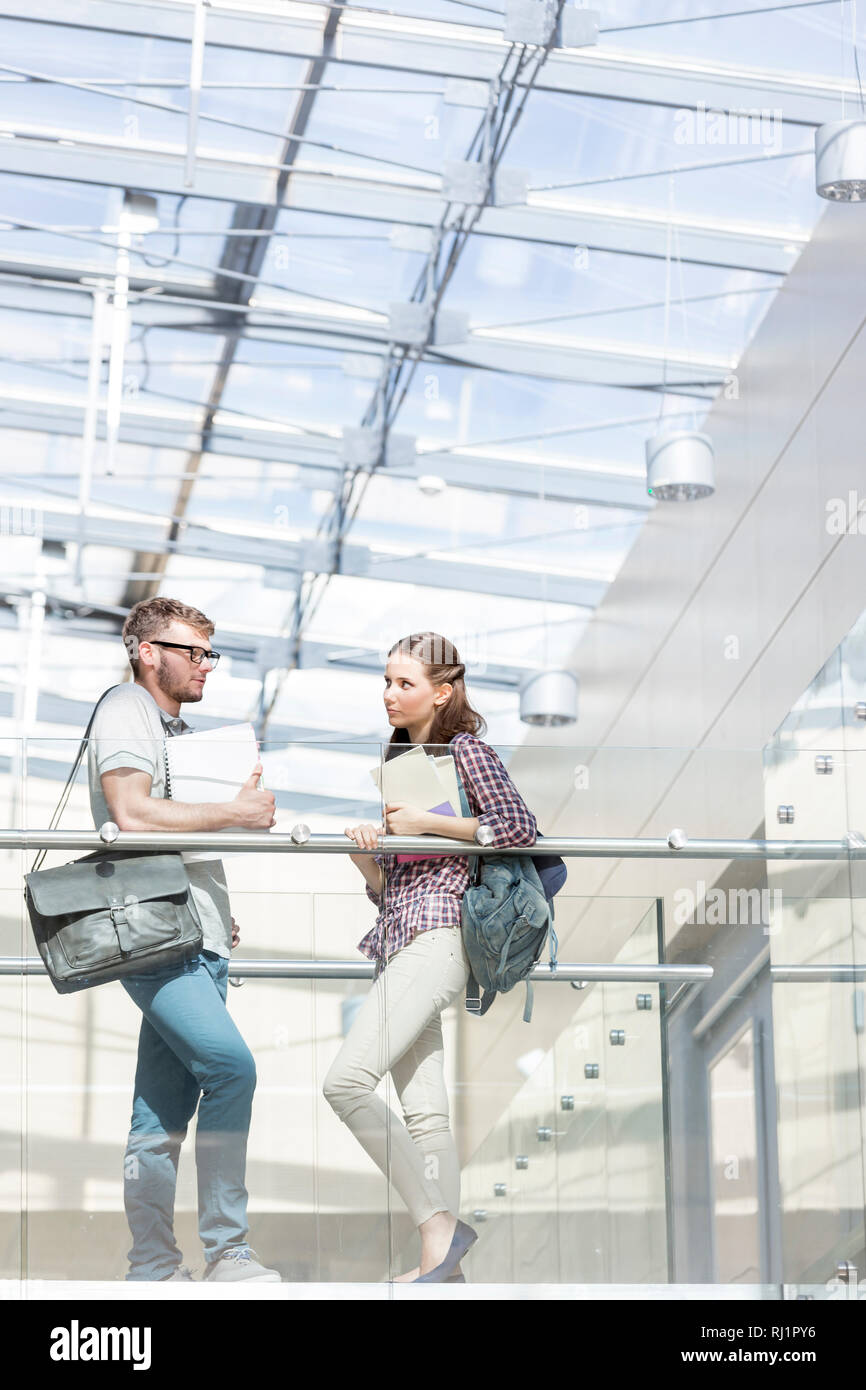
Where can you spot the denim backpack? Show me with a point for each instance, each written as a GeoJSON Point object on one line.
{"type": "Point", "coordinates": [507, 917]}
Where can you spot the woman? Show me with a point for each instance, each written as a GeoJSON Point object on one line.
{"type": "Point", "coordinates": [421, 965]}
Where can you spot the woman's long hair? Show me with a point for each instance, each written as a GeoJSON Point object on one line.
{"type": "Point", "coordinates": [441, 662]}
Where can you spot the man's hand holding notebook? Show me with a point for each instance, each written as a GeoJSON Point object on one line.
{"type": "Point", "coordinates": [216, 765]}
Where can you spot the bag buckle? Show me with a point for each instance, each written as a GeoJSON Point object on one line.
{"type": "Point", "coordinates": [121, 923]}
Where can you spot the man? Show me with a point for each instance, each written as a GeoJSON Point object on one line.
{"type": "Point", "coordinates": [190, 1053]}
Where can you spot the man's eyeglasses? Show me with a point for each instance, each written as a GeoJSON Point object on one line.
{"type": "Point", "coordinates": [196, 654]}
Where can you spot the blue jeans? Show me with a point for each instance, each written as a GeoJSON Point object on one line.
{"type": "Point", "coordinates": [190, 1054]}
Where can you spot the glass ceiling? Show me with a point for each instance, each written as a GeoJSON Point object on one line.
{"type": "Point", "coordinates": [625, 258]}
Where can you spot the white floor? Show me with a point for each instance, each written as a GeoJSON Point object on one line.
{"type": "Point", "coordinates": [37, 1289]}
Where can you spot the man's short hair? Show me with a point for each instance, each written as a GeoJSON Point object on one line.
{"type": "Point", "coordinates": [152, 616]}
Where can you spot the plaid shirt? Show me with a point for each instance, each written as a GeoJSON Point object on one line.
{"type": "Point", "coordinates": [428, 893]}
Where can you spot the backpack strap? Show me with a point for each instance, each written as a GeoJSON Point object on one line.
{"type": "Point", "coordinates": [530, 997]}
{"type": "Point", "coordinates": [473, 995]}
{"type": "Point", "coordinates": [474, 1003]}
{"type": "Point", "coordinates": [474, 860]}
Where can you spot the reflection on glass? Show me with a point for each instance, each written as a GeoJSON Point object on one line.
{"type": "Point", "coordinates": [734, 1149]}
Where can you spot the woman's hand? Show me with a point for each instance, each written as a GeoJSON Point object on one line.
{"type": "Point", "coordinates": [402, 819]}
{"type": "Point", "coordinates": [364, 836]}
{"type": "Point", "coordinates": [367, 837]}
{"type": "Point", "coordinates": [236, 933]}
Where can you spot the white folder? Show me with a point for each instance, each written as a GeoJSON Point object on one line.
{"type": "Point", "coordinates": [413, 777]}
{"type": "Point", "coordinates": [211, 766]}
{"type": "Point", "coordinates": [447, 770]}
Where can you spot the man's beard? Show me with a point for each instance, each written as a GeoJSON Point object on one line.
{"type": "Point", "coordinates": [175, 689]}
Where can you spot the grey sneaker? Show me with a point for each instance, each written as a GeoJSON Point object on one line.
{"type": "Point", "coordinates": [181, 1273]}
{"type": "Point", "coordinates": [240, 1262]}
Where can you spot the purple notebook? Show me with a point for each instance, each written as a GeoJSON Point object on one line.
{"type": "Point", "coordinates": [444, 809]}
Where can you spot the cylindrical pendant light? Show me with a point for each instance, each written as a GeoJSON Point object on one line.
{"type": "Point", "coordinates": [549, 698]}
{"type": "Point", "coordinates": [679, 466]}
{"type": "Point", "coordinates": [840, 161]}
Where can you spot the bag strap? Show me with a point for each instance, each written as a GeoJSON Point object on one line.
{"type": "Point", "coordinates": [473, 994]}
{"type": "Point", "coordinates": [67, 790]}
{"type": "Point", "coordinates": [473, 1003]}
{"type": "Point", "coordinates": [474, 860]}
{"type": "Point", "coordinates": [527, 1007]}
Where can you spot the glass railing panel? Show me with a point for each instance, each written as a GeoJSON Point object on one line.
{"type": "Point", "coordinates": [81, 1062]}
{"type": "Point", "coordinates": [490, 1195]}
{"type": "Point", "coordinates": [13, 1042]}
{"type": "Point", "coordinates": [735, 1192]}
{"type": "Point", "coordinates": [591, 1202]}
{"type": "Point", "coordinates": [586, 1193]}
{"type": "Point", "coordinates": [279, 1021]}
{"type": "Point", "coordinates": [815, 769]}
{"type": "Point", "coordinates": [820, 1118]}
{"type": "Point", "coordinates": [581, 1073]}
{"type": "Point", "coordinates": [534, 1134]}
{"type": "Point", "coordinates": [347, 1238]}
{"type": "Point", "coordinates": [635, 1155]}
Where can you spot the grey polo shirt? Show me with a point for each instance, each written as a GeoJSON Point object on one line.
{"type": "Point", "coordinates": [130, 731]}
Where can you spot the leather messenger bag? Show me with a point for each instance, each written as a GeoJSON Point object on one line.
{"type": "Point", "coordinates": [111, 913]}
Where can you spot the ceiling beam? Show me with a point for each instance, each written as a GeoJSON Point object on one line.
{"type": "Point", "coordinates": [313, 463]}
{"type": "Point", "coordinates": [767, 248]}
{"type": "Point", "coordinates": [436, 571]}
{"type": "Point", "coordinates": [245, 649]}
{"type": "Point", "coordinates": [443, 49]}
{"type": "Point", "coordinates": [534, 351]}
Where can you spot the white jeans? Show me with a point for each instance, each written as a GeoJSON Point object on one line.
{"type": "Point", "coordinates": [398, 1029]}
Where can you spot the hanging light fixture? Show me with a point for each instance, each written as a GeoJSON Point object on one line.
{"type": "Point", "coordinates": [431, 484]}
{"type": "Point", "coordinates": [840, 161]}
{"type": "Point", "coordinates": [679, 466]}
{"type": "Point", "coordinates": [548, 699]}
{"type": "Point", "coordinates": [679, 463]}
{"type": "Point", "coordinates": [840, 146]}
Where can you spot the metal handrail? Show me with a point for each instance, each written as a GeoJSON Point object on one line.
{"type": "Point", "coordinates": [798, 974]}
{"type": "Point", "coordinates": [254, 841]}
{"type": "Point", "coordinates": [565, 973]}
